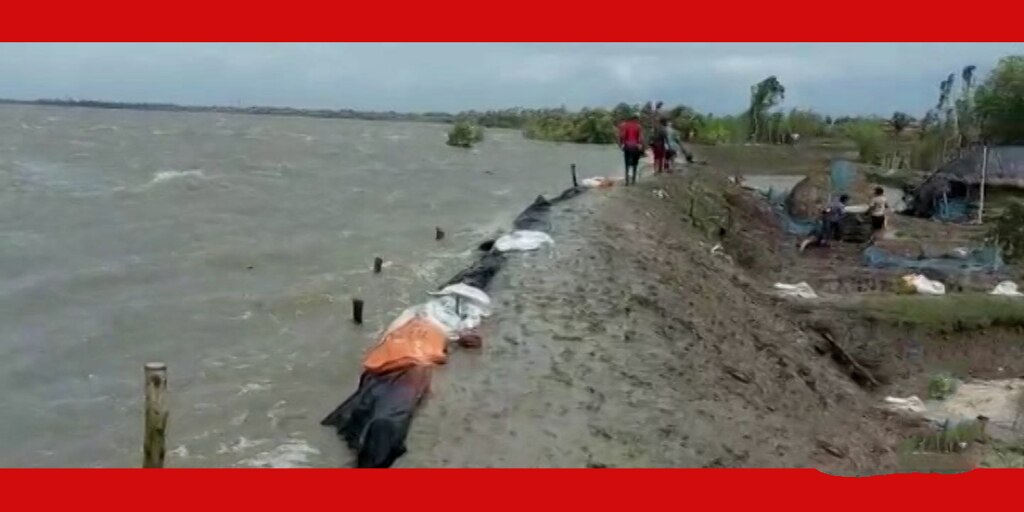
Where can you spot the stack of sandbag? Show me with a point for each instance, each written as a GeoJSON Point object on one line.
{"type": "Point", "coordinates": [522, 240]}
{"type": "Point", "coordinates": [1006, 289]}
{"type": "Point", "coordinates": [800, 290]}
{"type": "Point", "coordinates": [599, 182]}
{"type": "Point", "coordinates": [918, 284]}
{"type": "Point", "coordinates": [375, 420]}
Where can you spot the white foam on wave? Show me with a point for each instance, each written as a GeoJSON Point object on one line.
{"type": "Point", "coordinates": [241, 445]}
{"type": "Point", "coordinates": [168, 176]}
{"type": "Point", "coordinates": [181, 452]}
{"type": "Point", "coordinates": [163, 176]}
{"type": "Point", "coordinates": [294, 453]}
{"type": "Point", "coordinates": [254, 386]}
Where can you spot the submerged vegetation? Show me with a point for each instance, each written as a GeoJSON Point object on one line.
{"type": "Point", "coordinates": [464, 135]}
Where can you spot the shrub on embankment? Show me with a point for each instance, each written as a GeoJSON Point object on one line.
{"type": "Point", "coordinates": [1008, 231]}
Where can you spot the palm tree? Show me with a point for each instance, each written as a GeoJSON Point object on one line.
{"type": "Point", "coordinates": [764, 95]}
{"type": "Point", "coordinates": [621, 112]}
{"type": "Point", "coordinates": [899, 122]}
{"type": "Point", "coordinates": [965, 107]}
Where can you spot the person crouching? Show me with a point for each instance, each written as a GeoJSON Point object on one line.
{"type": "Point", "coordinates": [830, 230]}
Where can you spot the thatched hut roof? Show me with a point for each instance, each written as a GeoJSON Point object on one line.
{"type": "Point", "coordinates": [1005, 167]}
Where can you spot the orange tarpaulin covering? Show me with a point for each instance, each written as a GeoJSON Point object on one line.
{"type": "Point", "coordinates": [416, 342]}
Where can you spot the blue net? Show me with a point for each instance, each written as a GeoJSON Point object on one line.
{"type": "Point", "coordinates": [842, 173]}
{"type": "Point", "coordinates": [795, 226]}
{"type": "Point", "coordinates": [951, 210]}
{"type": "Point", "coordinates": [777, 199]}
{"type": "Point", "coordinates": [978, 260]}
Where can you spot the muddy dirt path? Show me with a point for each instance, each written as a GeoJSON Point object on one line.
{"type": "Point", "coordinates": [629, 344]}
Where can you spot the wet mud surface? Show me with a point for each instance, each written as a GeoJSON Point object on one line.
{"type": "Point", "coordinates": [629, 344]}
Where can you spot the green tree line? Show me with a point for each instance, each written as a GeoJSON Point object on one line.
{"type": "Point", "coordinates": [966, 113]}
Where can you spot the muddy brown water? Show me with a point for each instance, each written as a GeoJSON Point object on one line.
{"type": "Point", "coordinates": [228, 246]}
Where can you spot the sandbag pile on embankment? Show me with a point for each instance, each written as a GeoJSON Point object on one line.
{"type": "Point", "coordinates": [375, 420]}
{"type": "Point", "coordinates": [637, 345]}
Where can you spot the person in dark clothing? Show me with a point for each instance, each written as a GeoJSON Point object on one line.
{"type": "Point", "coordinates": [631, 143]}
{"type": "Point", "coordinates": [831, 217]}
{"type": "Point", "coordinates": [659, 144]}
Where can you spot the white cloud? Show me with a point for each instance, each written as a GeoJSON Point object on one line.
{"type": "Point", "coordinates": [872, 77]}
{"type": "Point", "coordinates": [542, 68]}
{"type": "Point", "coordinates": [787, 68]}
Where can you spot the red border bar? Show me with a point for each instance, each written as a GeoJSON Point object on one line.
{"type": "Point", "coordinates": [473, 490]}
{"type": "Point", "coordinates": [522, 20]}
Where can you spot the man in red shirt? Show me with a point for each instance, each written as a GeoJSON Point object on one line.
{"type": "Point", "coordinates": [631, 143]}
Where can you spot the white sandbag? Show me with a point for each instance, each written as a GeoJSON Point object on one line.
{"type": "Point", "coordinates": [1006, 289]}
{"type": "Point", "coordinates": [910, 404]}
{"type": "Point", "coordinates": [599, 182]}
{"type": "Point", "coordinates": [523, 240]}
{"type": "Point", "coordinates": [466, 292]}
{"type": "Point", "coordinates": [455, 314]}
{"type": "Point", "coordinates": [922, 285]}
{"type": "Point", "coordinates": [449, 313]}
{"type": "Point", "coordinates": [799, 290]}
{"type": "Point", "coordinates": [455, 309]}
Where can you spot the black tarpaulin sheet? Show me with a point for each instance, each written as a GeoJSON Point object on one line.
{"type": "Point", "coordinates": [375, 420]}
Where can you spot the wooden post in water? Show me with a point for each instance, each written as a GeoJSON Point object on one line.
{"type": "Point", "coordinates": [575, 184]}
{"type": "Point", "coordinates": [438, 233]}
{"type": "Point", "coordinates": [357, 311]}
{"type": "Point", "coordinates": [378, 263]}
{"type": "Point", "coordinates": [153, 443]}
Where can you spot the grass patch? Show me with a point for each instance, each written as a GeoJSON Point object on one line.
{"type": "Point", "coordinates": [1005, 456]}
{"type": "Point", "coordinates": [954, 312]}
{"type": "Point", "coordinates": [946, 450]}
{"type": "Point", "coordinates": [949, 439]}
{"type": "Point", "coordinates": [941, 386]}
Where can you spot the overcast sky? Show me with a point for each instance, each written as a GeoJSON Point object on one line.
{"type": "Point", "coordinates": [832, 78]}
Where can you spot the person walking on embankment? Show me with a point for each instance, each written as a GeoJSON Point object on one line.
{"type": "Point", "coordinates": [631, 144]}
{"type": "Point", "coordinates": [673, 146]}
{"type": "Point", "coordinates": [659, 144]}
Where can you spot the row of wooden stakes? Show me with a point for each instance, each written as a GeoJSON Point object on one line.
{"type": "Point", "coordinates": [155, 429]}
